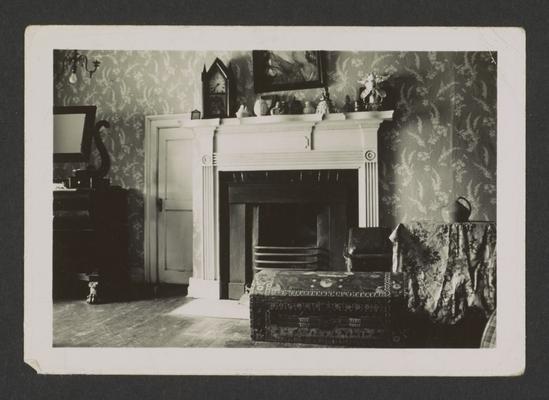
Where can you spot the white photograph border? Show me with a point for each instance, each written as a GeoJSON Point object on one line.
{"type": "Point", "coordinates": [508, 358]}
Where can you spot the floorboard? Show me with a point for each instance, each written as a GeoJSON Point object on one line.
{"type": "Point", "coordinates": [147, 323]}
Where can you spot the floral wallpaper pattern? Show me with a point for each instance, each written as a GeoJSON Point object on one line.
{"type": "Point", "coordinates": [441, 144]}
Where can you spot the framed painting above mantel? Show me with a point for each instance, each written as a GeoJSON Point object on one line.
{"type": "Point", "coordinates": [288, 70]}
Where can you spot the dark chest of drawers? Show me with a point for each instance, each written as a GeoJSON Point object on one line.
{"type": "Point", "coordinates": [90, 240]}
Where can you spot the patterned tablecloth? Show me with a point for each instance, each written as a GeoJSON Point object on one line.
{"type": "Point", "coordinates": [450, 267]}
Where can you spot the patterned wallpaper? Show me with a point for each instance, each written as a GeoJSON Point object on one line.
{"type": "Point", "coordinates": [442, 143]}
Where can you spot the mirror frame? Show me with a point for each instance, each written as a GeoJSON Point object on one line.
{"type": "Point", "coordinates": [87, 134]}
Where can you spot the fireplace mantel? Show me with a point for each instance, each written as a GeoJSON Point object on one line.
{"type": "Point", "coordinates": [280, 142]}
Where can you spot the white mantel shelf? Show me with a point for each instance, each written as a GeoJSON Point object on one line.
{"type": "Point", "coordinates": [364, 116]}
{"type": "Point", "coordinates": [278, 142]}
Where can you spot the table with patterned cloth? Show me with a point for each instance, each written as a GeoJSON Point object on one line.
{"type": "Point", "coordinates": [329, 308]}
{"type": "Point", "coordinates": [489, 336]}
{"type": "Point", "coordinates": [450, 268]}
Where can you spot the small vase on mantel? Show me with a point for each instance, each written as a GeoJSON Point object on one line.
{"type": "Point", "coordinates": [308, 109]}
{"type": "Point", "coordinates": [261, 107]}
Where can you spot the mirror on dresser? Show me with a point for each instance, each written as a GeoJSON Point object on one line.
{"type": "Point", "coordinates": [72, 133]}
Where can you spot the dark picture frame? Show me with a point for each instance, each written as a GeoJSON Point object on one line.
{"type": "Point", "coordinates": [86, 133]}
{"type": "Point", "coordinates": [275, 70]}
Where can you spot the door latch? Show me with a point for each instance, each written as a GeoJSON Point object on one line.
{"type": "Point", "coordinates": [159, 204]}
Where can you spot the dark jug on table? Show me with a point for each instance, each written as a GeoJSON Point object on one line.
{"type": "Point", "coordinates": [457, 211]}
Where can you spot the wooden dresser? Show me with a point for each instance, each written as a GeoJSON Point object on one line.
{"type": "Point", "coordinates": [90, 241]}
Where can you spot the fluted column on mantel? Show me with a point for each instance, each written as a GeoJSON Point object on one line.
{"type": "Point", "coordinates": [205, 279]}
{"type": "Point", "coordinates": [368, 187]}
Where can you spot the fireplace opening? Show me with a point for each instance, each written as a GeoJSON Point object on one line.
{"type": "Point", "coordinates": [288, 224]}
{"type": "Point", "coordinates": [284, 220]}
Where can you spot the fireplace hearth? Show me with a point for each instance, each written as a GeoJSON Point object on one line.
{"type": "Point", "coordinates": [294, 220]}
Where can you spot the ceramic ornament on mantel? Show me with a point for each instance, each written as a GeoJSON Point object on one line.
{"type": "Point", "coordinates": [242, 112]}
{"type": "Point", "coordinates": [371, 93]}
{"type": "Point", "coordinates": [308, 109]}
{"type": "Point", "coordinates": [324, 105]}
{"type": "Point", "coordinates": [277, 109]}
{"type": "Point", "coordinates": [348, 107]}
{"type": "Point", "coordinates": [261, 107]}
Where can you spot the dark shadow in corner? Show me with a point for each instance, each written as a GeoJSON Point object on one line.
{"type": "Point", "coordinates": [387, 136]}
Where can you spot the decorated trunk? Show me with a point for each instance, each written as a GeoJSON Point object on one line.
{"type": "Point", "coordinates": [330, 308]}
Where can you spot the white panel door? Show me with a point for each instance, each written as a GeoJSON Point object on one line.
{"type": "Point", "coordinates": [175, 208]}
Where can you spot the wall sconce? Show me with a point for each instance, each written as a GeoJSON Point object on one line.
{"type": "Point", "coordinates": [75, 59]}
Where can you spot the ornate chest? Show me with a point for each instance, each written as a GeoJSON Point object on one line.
{"type": "Point", "coordinates": [329, 308]}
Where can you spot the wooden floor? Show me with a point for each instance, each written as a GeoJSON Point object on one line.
{"type": "Point", "coordinates": [146, 323]}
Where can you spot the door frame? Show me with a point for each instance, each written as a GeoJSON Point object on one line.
{"type": "Point", "coordinates": [153, 123]}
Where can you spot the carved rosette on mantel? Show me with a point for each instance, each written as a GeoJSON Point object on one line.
{"type": "Point", "coordinates": [280, 142]}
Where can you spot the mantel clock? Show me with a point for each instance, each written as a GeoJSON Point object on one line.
{"type": "Point", "coordinates": [218, 91]}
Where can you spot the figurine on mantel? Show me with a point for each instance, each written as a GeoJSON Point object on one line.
{"type": "Point", "coordinates": [309, 108]}
{"type": "Point", "coordinates": [371, 93]}
{"type": "Point", "coordinates": [242, 112]}
{"type": "Point", "coordinates": [283, 107]}
{"type": "Point", "coordinates": [277, 109]}
{"type": "Point", "coordinates": [324, 105]}
{"type": "Point", "coordinates": [348, 107]}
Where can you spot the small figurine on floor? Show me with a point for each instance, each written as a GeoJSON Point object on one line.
{"type": "Point", "coordinates": [93, 296]}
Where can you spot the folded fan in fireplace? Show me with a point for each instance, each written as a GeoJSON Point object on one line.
{"type": "Point", "coordinates": [289, 257]}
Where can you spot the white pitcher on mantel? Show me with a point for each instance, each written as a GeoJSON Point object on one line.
{"type": "Point", "coordinates": [261, 107]}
